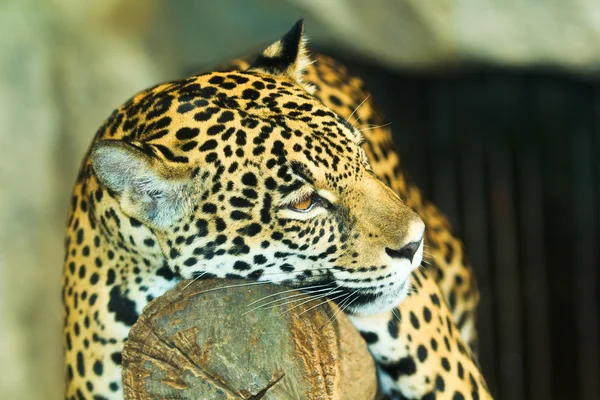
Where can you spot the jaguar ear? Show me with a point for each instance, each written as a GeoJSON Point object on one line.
{"type": "Point", "coordinates": [286, 57]}
{"type": "Point", "coordinates": [147, 188]}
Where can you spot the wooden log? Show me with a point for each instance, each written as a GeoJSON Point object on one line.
{"type": "Point", "coordinates": [206, 342]}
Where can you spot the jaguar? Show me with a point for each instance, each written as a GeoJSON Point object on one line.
{"type": "Point", "coordinates": [278, 169]}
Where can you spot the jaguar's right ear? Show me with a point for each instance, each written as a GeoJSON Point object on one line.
{"type": "Point", "coordinates": [147, 188]}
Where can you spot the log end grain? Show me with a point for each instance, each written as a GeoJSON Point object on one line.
{"type": "Point", "coordinates": [205, 341]}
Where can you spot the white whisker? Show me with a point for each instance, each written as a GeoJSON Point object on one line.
{"type": "Point", "coordinates": [396, 314]}
{"type": "Point", "coordinates": [357, 107]}
{"type": "Point", "coordinates": [321, 303]}
{"type": "Point", "coordinates": [234, 286]}
{"type": "Point", "coordinates": [194, 280]}
{"type": "Point", "coordinates": [304, 300]}
{"type": "Point", "coordinates": [342, 307]}
{"type": "Point", "coordinates": [311, 299]}
{"type": "Point", "coordinates": [374, 127]}
{"type": "Point", "coordinates": [287, 300]}
{"type": "Point", "coordinates": [285, 291]}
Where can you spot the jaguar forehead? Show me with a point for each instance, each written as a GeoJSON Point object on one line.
{"type": "Point", "coordinates": [302, 171]}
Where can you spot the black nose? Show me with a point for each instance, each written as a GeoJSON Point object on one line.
{"type": "Point", "coordinates": [407, 251]}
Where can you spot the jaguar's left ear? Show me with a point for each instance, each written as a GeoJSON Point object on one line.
{"type": "Point", "coordinates": [286, 57]}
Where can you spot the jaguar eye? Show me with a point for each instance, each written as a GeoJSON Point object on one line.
{"type": "Point", "coordinates": [304, 205]}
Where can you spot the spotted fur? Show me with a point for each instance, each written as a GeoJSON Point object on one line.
{"type": "Point", "coordinates": [204, 177]}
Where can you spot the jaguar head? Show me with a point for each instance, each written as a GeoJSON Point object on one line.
{"type": "Point", "coordinates": [246, 175]}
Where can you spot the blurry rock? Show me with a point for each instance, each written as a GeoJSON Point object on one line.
{"type": "Point", "coordinates": [64, 66]}
{"type": "Point", "coordinates": [435, 34]}
{"type": "Point", "coordinates": [207, 342]}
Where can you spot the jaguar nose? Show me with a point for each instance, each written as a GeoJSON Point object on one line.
{"type": "Point", "coordinates": [408, 251]}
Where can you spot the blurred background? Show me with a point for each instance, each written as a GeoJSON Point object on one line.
{"type": "Point", "coordinates": [495, 107]}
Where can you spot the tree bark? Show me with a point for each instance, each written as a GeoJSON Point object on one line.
{"type": "Point", "coordinates": [207, 341]}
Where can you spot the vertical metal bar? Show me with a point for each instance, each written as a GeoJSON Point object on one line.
{"type": "Point", "coordinates": [408, 123]}
{"type": "Point", "coordinates": [504, 236]}
{"type": "Point", "coordinates": [585, 261]}
{"type": "Point", "coordinates": [532, 254]}
{"type": "Point", "coordinates": [475, 217]}
{"type": "Point", "coordinates": [553, 108]}
{"type": "Point", "coordinates": [442, 147]}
